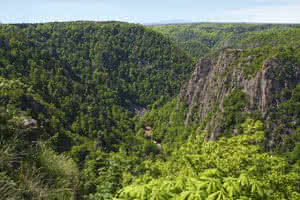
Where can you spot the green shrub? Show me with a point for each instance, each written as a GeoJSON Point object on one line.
{"type": "Point", "coordinates": [151, 148]}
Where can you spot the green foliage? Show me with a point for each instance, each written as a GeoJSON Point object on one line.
{"type": "Point", "coordinates": [80, 152]}
{"type": "Point", "coordinates": [295, 154]}
{"type": "Point", "coordinates": [286, 116]}
{"type": "Point", "coordinates": [7, 156]}
{"type": "Point", "coordinates": [167, 121]}
{"type": "Point", "coordinates": [33, 184]}
{"type": "Point", "coordinates": [256, 42]}
{"type": "Point", "coordinates": [11, 90]}
{"type": "Point", "coordinates": [150, 148]}
{"type": "Point", "coordinates": [84, 83]}
{"type": "Point", "coordinates": [58, 165]}
{"type": "Point", "coordinates": [106, 173]}
{"type": "Point", "coordinates": [8, 189]}
{"type": "Point", "coordinates": [234, 110]}
{"type": "Point", "coordinates": [81, 83]}
{"type": "Point", "coordinates": [206, 39]}
{"type": "Point", "coordinates": [231, 168]}
{"type": "Point", "coordinates": [286, 55]}
{"type": "Point", "coordinates": [105, 71]}
{"type": "Point", "coordinates": [61, 169]}
{"type": "Point", "coordinates": [36, 175]}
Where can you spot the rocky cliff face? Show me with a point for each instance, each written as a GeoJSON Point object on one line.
{"type": "Point", "coordinates": [215, 79]}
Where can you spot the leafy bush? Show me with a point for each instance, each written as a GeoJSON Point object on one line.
{"type": "Point", "coordinates": [151, 148]}
{"type": "Point", "coordinates": [231, 168]}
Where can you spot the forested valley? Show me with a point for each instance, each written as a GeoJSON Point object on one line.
{"type": "Point", "coordinates": [120, 111]}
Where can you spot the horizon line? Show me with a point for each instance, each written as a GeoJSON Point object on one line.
{"type": "Point", "coordinates": [153, 23]}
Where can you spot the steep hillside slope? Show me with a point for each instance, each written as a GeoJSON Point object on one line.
{"type": "Point", "coordinates": [74, 89]}
{"type": "Point", "coordinates": [101, 69]}
{"type": "Point", "coordinates": [257, 80]}
{"type": "Point", "coordinates": [224, 91]}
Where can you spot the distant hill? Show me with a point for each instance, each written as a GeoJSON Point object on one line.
{"type": "Point", "coordinates": [203, 39]}
{"type": "Point", "coordinates": [166, 22]}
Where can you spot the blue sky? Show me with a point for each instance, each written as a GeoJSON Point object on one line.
{"type": "Point", "coordinates": [151, 11]}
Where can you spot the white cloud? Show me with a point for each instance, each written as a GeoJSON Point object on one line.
{"type": "Point", "coordinates": [274, 14]}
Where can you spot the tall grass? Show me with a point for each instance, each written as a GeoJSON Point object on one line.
{"type": "Point", "coordinates": [62, 170]}
{"type": "Point", "coordinates": [8, 188]}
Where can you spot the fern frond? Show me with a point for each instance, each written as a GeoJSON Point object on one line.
{"type": "Point", "coordinates": [8, 190]}
{"type": "Point", "coordinates": [244, 179]}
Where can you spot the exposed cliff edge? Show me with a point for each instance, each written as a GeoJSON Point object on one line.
{"type": "Point", "coordinates": [215, 79]}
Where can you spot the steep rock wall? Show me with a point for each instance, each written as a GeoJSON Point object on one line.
{"type": "Point", "coordinates": [214, 79]}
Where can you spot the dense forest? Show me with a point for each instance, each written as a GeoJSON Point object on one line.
{"type": "Point", "coordinates": [204, 39]}
{"type": "Point", "coordinates": [103, 110]}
